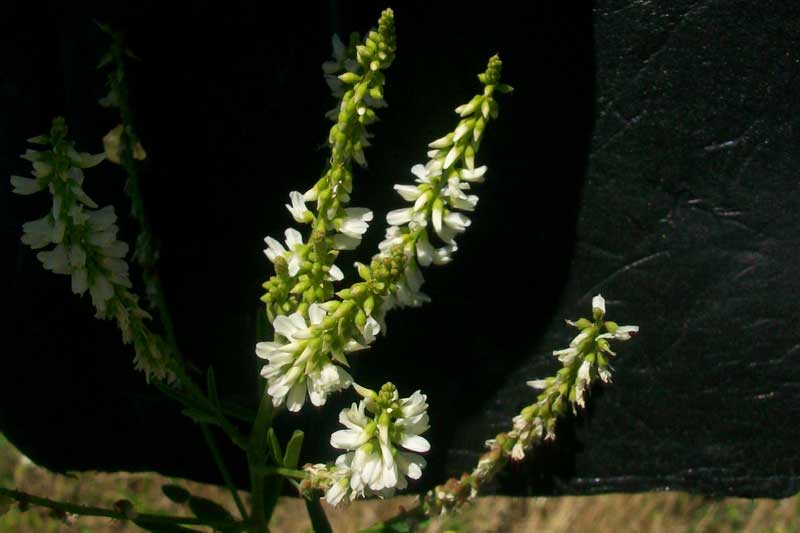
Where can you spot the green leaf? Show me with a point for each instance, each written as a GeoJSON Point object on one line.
{"type": "Point", "coordinates": [292, 455]}
{"type": "Point", "coordinates": [274, 447]}
{"type": "Point", "coordinates": [211, 386]}
{"type": "Point", "coordinates": [319, 522]}
{"type": "Point", "coordinates": [208, 510]}
{"type": "Point", "coordinates": [176, 493]}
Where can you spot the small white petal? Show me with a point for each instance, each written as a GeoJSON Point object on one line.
{"type": "Point", "coordinates": [409, 192]}
{"type": "Point", "coordinates": [398, 217]}
{"type": "Point", "coordinates": [316, 313]}
{"type": "Point", "coordinates": [335, 273]}
{"type": "Point", "coordinates": [296, 397]}
{"type": "Point", "coordinates": [599, 305]}
{"type": "Point", "coordinates": [25, 185]}
{"type": "Point", "coordinates": [415, 443]}
{"type": "Point", "coordinates": [293, 238]}
{"type": "Point", "coordinates": [537, 384]}
{"type": "Point", "coordinates": [342, 241]}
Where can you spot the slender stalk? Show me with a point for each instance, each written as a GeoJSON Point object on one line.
{"type": "Point", "coordinates": [84, 510]}
{"type": "Point", "coordinates": [223, 470]}
{"type": "Point", "coordinates": [256, 454]}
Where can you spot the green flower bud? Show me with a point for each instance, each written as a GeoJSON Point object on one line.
{"type": "Point", "coordinates": [369, 305]}
{"type": "Point", "coordinates": [611, 327]}
{"type": "Point", "coordinates": [361, 319]}
{"type": "Point", "coordinates": [350, 78]}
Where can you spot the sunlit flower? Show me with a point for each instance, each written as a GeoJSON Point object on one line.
{"type": "Point", "coordinates": [374, 463]}
{"type": "Point", "coordinates": [291, 253]}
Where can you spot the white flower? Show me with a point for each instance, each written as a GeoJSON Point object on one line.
{"type": "Point", "coordinates": [323, 381]}
{"type": "Point", "coordinates": [475, 175]}
{"type": "Point", "coordinates": [398, 217]}
{"type": "Point", "coordinates": [424, 173]}
{"type": "Point", "coordinates": [582, 382]}
{"type": "Point", "coordinates": [457, 197]}
{"type": "Point", "coordinates": [38, 233]}
{"type": "Point", "coordinates": [339, 55]}
{"type": "Point", "coordinates": [599, 306]}
{"type": "Point", "coordinates": [540, 384]}
{"type": "Point", "coordinates": [275, 249]}
{"type": "Point", "coordinates": [351, 228]}
{"type": "Point", "coordinates": [567, 355]}
{"type": "Point", "coordinates": [448, 224]}
{"type": "Point", "coordinates": [408, 292]}
{"type": "Point", "coordinates": [26, 185]}
{"type": "Point", "coordinates": [298, 208]}
{"type": "Point", "coordinates": [374, 463]}
{"type": "Point", "coordinates": [341, 482]}
{"type": "Point", "coordinates": [295, 367]}
{"type": "Point", "coordinates": [622, 333]}
{"type": "Point", "coordinates": [409, 193]}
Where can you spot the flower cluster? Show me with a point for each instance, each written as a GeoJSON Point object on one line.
{"type": "Point", "coordinates": [85, 238]}
{"type": "Point", "coordinates": [584, 361]}
{"type": "Point", "coordinates": [85, 242]}
{"type": "Point", "coordinates": [442, 193]}
{"type": "Point", "coordinates": [377, 427]}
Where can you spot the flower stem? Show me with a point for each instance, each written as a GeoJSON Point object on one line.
{"type": "Point", "coordinates": [139, 518]}
{"type": "Point", "coordinates": [223, 470]}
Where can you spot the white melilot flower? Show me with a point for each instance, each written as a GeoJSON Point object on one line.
{"type": "Point", "coordinates": [373, 463]}
{"type": "Point", "coordinates": [26, 186]}
{"type": "Point", "coordinates": [475, 175]}
{"type": "Point", "coordinates": [275, 249]}
{"type": "Point", "coordinates": [398, 217]}
{"type": "Point", "coordinates": [540, 384]}
{"type": "Point", "coordinates": [339, 55]}
{"type": "Point", "coordinates": [623, 333]}
{"type": "Point", "coordinates": [599, 306]}
{"type": "Point", "coordinates": [409, 193]}
{"type": "Point", "coordinates": [323, 381]}
{"type": "Point", "coordinates": [567, 355]}
{"type": "Point", "coordinates": [408, 292]}
{"type": "Point", "coordinates": [582, 382]}
{"type": "Point", "coordinates": [295, 367]}
{"type": "Point", "coordinates": [38, 233]}
{"type": "Point", "coordinates": [298, 208]}
{"type": "Point", "coordinates": [351, 228]}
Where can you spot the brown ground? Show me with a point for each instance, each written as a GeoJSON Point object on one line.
{"type": "Point", "coordinates": [655, 512]}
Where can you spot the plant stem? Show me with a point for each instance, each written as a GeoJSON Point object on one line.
{"type": "Point", "coordinates": [223, 470]}
{"type": "Point", "coordinates": [256, 455]}
{"type": "Point", "coordinates": [83, 510]}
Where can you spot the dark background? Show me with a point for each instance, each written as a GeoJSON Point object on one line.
{"type": "Point", "coordinates": [649, 153]}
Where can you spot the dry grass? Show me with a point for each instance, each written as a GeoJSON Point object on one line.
{"type": "Point", "coordinates": [655, 512]}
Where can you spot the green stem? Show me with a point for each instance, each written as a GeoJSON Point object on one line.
{"type": "Point", "coordinates": [256, 455]}
{"type": "Point", "coordinates": [319, 522]}
{"type": "Point", "coordinates": [223, 470]}
{"type": "Point", "coordinates": [83, 510]}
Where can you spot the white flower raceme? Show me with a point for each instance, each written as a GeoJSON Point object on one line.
{"type": "Point", "coordinates": [86, 245]}
{"type": "Point", "coordinates": [377, 427]}
{"type": "Point", "coordinates": [297, 364]}
{"type": "Point", "coordinates": [583, 361]}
